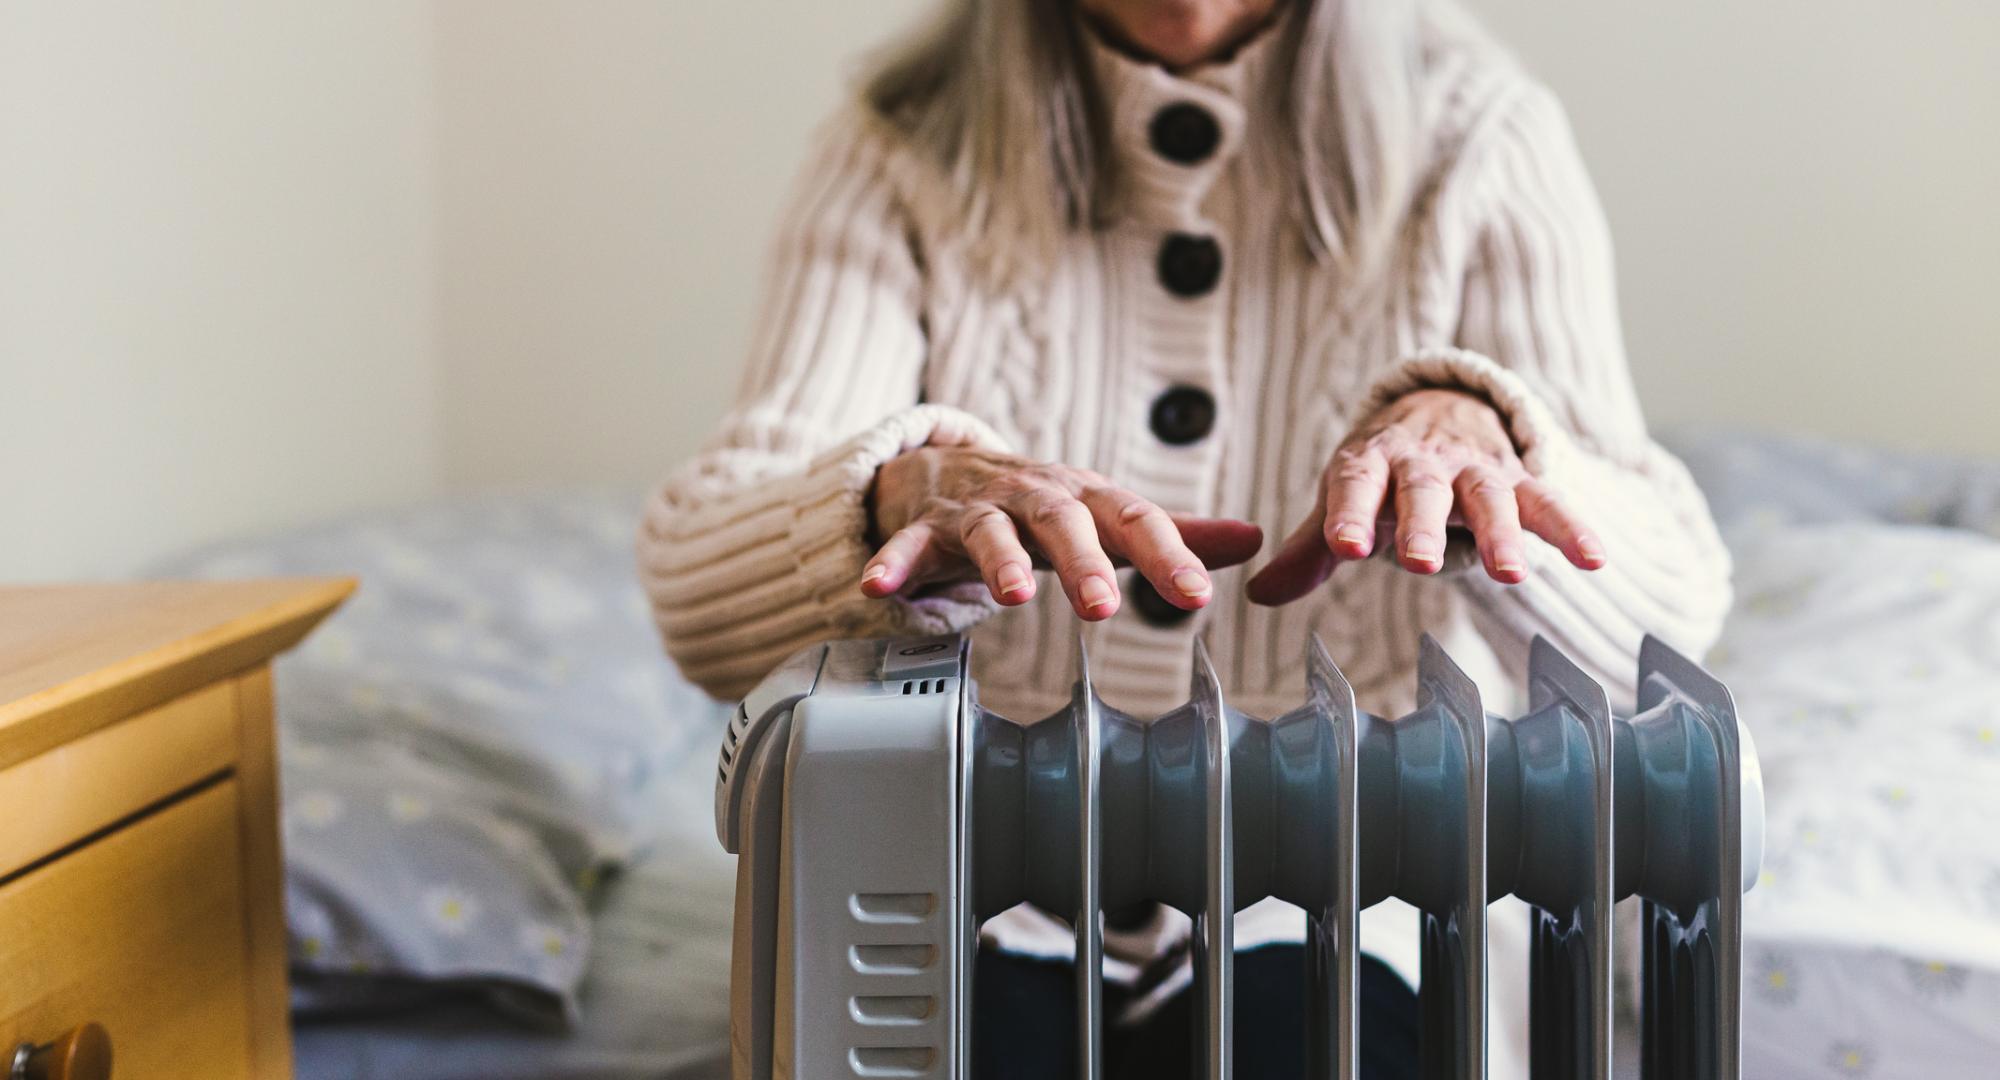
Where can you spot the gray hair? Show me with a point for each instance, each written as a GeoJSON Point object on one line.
{"type": "Point", "coordinates": [965, 87]}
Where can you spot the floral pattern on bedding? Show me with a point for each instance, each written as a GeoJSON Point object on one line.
{"type": "Point", "coordinates": [1864, 656]}
{"type": "Point", "coordinates": [1865, 660]}
{"type": "Point", "coordinates": [467, 747]}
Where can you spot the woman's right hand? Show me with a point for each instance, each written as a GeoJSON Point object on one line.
{"type": "Point", "coordinates": [958, 513]}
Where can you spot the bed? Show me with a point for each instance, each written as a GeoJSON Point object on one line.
{"type": "Point", "coordinates": [1864, 654]}
{"type": "Point", "coordinates": [447, 924]}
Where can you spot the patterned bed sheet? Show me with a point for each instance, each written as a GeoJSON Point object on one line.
{"type": "Point", "coordinates": [1864, 656]}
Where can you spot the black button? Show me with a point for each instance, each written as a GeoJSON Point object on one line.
{"type": "Point", "coordinates": [1190, 265]}
{"type": "Point", "coordinates": [1183, 415]}
{"type": "Point", "coordinates": [1151, 606]}
{"type": "Point", "coordinates": [1184, 132]}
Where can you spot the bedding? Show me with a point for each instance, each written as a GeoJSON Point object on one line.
{"type": "Point", "coordinates": [655, 996]}
{"type": "Point", "coordinates": [1864, 656]}
{"type": "Point", "coordinates": [468, 748]}
{"type": "Point", "coordinates": [1866, 660]}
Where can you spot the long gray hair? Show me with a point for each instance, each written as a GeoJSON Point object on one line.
{"type": "Point", "coordinates": [966, 88]}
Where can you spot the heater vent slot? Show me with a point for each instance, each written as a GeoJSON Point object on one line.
{"type": "Point", "coordinates": [891, 959]}
{"type": "Point", "coordinates": [905, 909]}
{"type": "Point", "coordinates": [891, 1060]}
{"type": "Point", "coordinates": [877, 1010]}
{"type": "Point", "coordinates": [732, 741]}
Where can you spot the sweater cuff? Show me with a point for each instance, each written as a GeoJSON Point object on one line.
{"type": "Point", "coordinates": [1538, 439]}
{"type": "Point", "coordinates": [830, 526]}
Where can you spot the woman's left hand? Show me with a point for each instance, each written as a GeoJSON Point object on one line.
{"type": "Point", "coordinates": [1429, 459]}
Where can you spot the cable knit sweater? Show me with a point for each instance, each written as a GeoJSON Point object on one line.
{"type": "Point", "coordinates": [877, 338]}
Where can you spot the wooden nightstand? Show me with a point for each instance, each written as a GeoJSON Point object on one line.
{"type": "Point", "coordinates": [141, 886]}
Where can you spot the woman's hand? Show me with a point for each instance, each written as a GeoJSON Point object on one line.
{"type": "Point", "coordinates": [1431, 458]}
{"type": "Point", "coordinates": [957, 513]}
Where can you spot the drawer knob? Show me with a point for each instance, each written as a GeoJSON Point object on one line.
{"type": "Point", "coordinates": [82, 1053]}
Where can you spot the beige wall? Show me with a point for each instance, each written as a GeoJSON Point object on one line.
{"type": "Point", "coordinates": [1803, 194]}
{"type": "Point", "coordinates": [609, 176]}
{"type": "Point", "coordinates": [263, 261]}
{"type": "Point", "coordinates": [216, 264]}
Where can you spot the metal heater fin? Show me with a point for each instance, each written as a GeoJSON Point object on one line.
{"type": "Point", "coordinates": [1441, 750]}
{"type": "Point", "coordinates": [1684, 751]}
{"type": "Point", "coordinates": [753, 957]}
{"type": "Point", "coordinates": [749, 811]}
{"type": "Point", "coordinates": [1215, 922]}
{"type": "Point", "coordinates": [1333, 946]}
{"type": "Point", "coordinates": [1560, 763]}
{"type": "Point", "coordinates": [1086, 715]}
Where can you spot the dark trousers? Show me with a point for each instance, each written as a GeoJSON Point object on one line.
{"type": "Point", "coordinates": [1023, 1025]}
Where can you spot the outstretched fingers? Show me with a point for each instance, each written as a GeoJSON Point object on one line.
{"type": "Point", "coordinates": [1423, 505]}
{"type": "Point", "coordinates": [994, 545]}
{"type": "Point", "coordinates": [1356, 486]}
{"type": "Point", "coordinates": [1143, 534]}
{"type": "Point", "coordinates": [1543, 514]}
{"type": "Point", "coordinates": [1065, 531]}
{"type": "Point", "coordinates": [1486, 502]}
{"type": "Point", "coordinates": [899, 560]}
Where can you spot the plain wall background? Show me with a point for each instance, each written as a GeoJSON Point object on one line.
{"type": "Point", "coordinates": [262, 262]}
{"type": "Point", "coordinates": [216, 273]}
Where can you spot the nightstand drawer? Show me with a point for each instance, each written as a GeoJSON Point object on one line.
{"type": "Point", "coordinates": [115, 772]}
{"type": "Point", "coordinates": [143, 932]}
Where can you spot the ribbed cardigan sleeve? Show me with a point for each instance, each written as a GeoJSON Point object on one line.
{"type": "Point", "coordinates": [1539, 336]}
{"type": "Point", "coordinates": [754, 549]}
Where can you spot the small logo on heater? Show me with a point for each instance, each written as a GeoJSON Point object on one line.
{"type": "Point", "coordinates": [924, 650]}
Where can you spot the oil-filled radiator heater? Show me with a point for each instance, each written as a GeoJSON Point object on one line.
{"type": "Point", "coordinates": [881, 815]}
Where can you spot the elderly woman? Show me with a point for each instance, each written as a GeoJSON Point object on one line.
{"type": "Point", "coordinates": [1124, 283]}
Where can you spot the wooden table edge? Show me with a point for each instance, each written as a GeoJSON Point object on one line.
{"type": "Point", "coordinates": [55, 715]}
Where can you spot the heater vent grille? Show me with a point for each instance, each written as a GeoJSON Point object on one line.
{"type": "Point", "coordinates": [732, 742]}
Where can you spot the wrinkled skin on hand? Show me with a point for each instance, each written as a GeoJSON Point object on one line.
{"type": "Point", "coordinates": [958, 513]}
{"type": "Point", "coordinates": [1427, 460]}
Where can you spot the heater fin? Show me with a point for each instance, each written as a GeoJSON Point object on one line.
{"type": "Point", "coordinates": [1332, 931]}
{"type": "Point", "coordinates": [1087, 732]}
{"type": "Point", "coordinates": [1451, 762]}
{"type": "Point", "coordinates": [1564, 764]}
{"type": "Point", "coordinates": [1689, 754]}
{"type": "Point", "coordinates": [1214, 924]}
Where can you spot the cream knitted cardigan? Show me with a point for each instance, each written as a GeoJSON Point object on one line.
{"type": "Point", "coordinates": [876, 338]}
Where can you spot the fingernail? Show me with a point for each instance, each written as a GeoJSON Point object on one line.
{"type": "Point", "coordinates": [1095, 592]}
{"type": "Point", "coordinates": [1509, 561]}
{"type": "Point", "coordinates": [1349, 533]}
{"type": "Point", "coordinates": [1422, 548]}
{"type": "Point", "coordinates": [872, 573]}
{"type": "Point", "coordinates": [1589, 548]}
{"type": "Point", "coordinates": [1191, 583]}
{"type": "Point", "coordinates": [1013, 579]}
